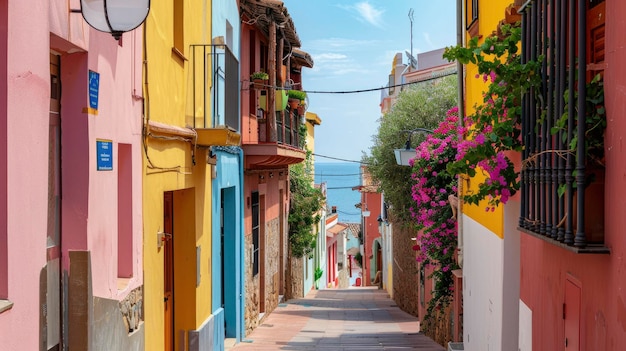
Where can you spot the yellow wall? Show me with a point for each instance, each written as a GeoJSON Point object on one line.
{"type": "Point", "coordinates": [168, 167]}
{"type": "Point", "coordinates": [490, 13]}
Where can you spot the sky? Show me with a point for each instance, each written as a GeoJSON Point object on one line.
{"type": "Point", "coordinates": [353, 44]}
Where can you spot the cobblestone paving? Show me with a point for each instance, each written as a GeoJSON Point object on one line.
{"type": "Point", "coordinates": [352, 319]}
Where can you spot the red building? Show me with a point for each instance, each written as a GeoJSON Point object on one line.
{"type": "Point", "coordinates": [572, 280]}
{"type": "Point", "coordinates": [271, 141]}
{"type": "Point", "coordinates": [371, 202]}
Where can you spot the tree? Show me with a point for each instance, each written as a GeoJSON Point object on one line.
{"type": "Point", "coordinates": [304, 210]}
{"type": "Point", "coordinates": [422, 105]}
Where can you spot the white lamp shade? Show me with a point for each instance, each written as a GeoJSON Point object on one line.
{"type": "Point", "coordinates": [115, 16]}
{"type": "Point", "coordinates": [366, 213]}
{"type": "Point", "coordinates": [404, 155]}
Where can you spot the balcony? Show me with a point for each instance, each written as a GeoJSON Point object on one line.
{"type": "Point", "coordinates": [279, 141]}
{"type": "Point", "coordinates": [559, 158]}
{"type": "Point", "coordinates": [213, 96]}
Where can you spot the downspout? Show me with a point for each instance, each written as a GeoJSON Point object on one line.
{"type": "Point", "coordinates": [460, 29]}
{"type": "Point", "coordinates": [242, 292]}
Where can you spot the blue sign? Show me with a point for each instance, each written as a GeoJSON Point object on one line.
{"type": "Point", "coordinates": [104, 157]}
{"type": "Point", "coordinates": [94, 87]}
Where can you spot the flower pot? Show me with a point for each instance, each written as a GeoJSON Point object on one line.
{"type": "Point", "coordinates": [258, 84]}
{"type": "Point", "coordinates": [293, 104]}
{"type": "Point", "coordinates": [301, 110]}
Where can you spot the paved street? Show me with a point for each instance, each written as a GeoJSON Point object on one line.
{"type": "Point", "coordinates": [339, 319]}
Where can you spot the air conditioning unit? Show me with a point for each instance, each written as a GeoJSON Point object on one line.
{"type": "Point", "coordinates": [455, 346]}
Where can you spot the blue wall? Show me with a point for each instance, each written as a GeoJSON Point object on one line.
{"type": "Point", "coordinates": [227, 189]}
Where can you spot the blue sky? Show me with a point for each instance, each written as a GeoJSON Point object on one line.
{"type": "Point", "coordinates": [353, 44]}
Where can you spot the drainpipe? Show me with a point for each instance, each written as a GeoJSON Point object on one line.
{"type": "Point", "coordinates": [460, 30]}
{"type": "Point", "coordinates": [271, 92]}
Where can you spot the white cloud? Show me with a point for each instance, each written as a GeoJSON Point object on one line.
{"type": "Point", "coordinates": [339, 44]}
{"type": "Point", "coordinates": [366, 12]}
{"type": "Point", "coordinates": [369, 13]}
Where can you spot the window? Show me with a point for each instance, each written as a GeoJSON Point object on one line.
{"type": "Point", "coordinates": [471, 17]}
{"type": "Point", "coordinates": [255, 233]}
{"type": "Point", "coordinates": [179, 29]}
{"type": "Point", "coordinates": [124, 211]}
{"type": "Point", "coordinates": [556, 150]}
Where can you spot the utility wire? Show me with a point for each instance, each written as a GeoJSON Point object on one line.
{"type": "Point", "coordinates": [444, 74]}
{"type": "Point", "coordinates": [341, 187]}
{"type": "Point", "coordinates": [340, 159]}
{"type": "Point", "coordinates": [336, 175]}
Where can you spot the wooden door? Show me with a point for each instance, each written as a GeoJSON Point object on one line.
{"type": "Point", "coordinates": [168, 269]}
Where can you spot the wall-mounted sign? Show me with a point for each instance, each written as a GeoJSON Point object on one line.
{"type": "Point", "coordinates": [94, 87]}
{"type": "Point", "coordinates": [104, 157]}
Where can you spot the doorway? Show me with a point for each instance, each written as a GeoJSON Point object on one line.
{"type": "Point", "coordinates": [168, 269]}
{"type": "Point", "coordinates": [571, 314]}
{"type": "Point", "coordinates": [52, 307]}
{"type": "Point", "coordinates": [229, 264]}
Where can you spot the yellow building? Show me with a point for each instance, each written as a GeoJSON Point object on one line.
{"type": "Point", "coordinates": [184, 154]}
{"type": "Point", "coordinates": [490, 240]}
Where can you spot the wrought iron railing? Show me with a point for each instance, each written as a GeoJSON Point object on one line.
{"type": "Point", "coordinates": [552, 203]}
{"type": "Point", "coordinates": [287, 129]}
{"type": "Point", "coordinates": [214, 87]}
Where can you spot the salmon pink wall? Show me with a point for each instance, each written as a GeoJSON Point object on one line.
{"type": "Point", "coordinates": [545, 268]}
{"type": "Point", "coordinates": [25, 104]}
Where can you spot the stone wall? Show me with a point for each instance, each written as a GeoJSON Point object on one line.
{"type": "Point", "coordinates": [251, 287]}
{"type": "Point", "coordinates": [270, 270]}
{"type": "Point", "coordinates": [132, 309]}
{"type": "Point", "coordinates": [272, 263]}
{"type": "Point", "coordinates": [295, 278]}
{"type": "Point", "coordinates": [344, 279]}
{"type": "Point", "coordinates": [405, 270]}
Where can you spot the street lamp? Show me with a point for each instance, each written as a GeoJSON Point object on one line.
{"type": "Point", "coordinates": [115, 16]}
{"type": "Point", "coordinates": [404, 155]}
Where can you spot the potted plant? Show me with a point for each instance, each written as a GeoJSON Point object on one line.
{"type": "Point", "coordinates": [259, 79]}
{"type": "Point", "coordinates": [296, 98]}
{"type": "Point", "coordinates": [318, 274]}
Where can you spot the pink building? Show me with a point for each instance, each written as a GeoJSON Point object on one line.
{"type": "Point", "coordinates": [70, 181]}
{"type": "Point", "coordinates": [334, 245]}
{"type": "Point", "coordinates": [371, 204]}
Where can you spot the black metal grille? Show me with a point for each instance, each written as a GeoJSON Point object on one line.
{"type": "Point", "coordinates": [214, 87]}
{"type": "Point", "coordinates": [552, 173]}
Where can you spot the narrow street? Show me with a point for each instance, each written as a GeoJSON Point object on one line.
{"type": "Point", "coordinates": [339, 319]}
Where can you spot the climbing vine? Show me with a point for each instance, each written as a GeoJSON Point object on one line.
{"type": "Point", "coordinates": [304, 210]}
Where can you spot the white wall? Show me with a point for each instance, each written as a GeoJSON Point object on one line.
{"type": "Point", "coordinates": [491, 285]}
{"type": "Point", "coordinates": [525, 327]}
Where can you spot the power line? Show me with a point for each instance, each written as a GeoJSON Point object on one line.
{"type": "Point", "coordinates": [341, 187]}
{"type": "Point", "coordinates": [348, 213]}
{"type": "Point", "coordinates": [337, 175]}
{"type": "Point", "coordinates": [340, 159]}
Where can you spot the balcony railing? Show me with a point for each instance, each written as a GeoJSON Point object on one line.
{"type": "Point", "coordinates": [553, 205]}
{"type": "Point", "coordinates": [213, 88]}
{"type": "Point", "coordinates": [288, 126]}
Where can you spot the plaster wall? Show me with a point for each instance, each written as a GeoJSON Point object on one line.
{"type": "Point", "coordinates": [37, 28]}
{"type": "Point", "coordinates": [370, 233]}
{"type": "Point", "coordinates": [169, 166]}
{"type": "Point", "coordinates": [546, 267]}
{"type": "Point", "coordinates": [491, 289]}
{"type": "Point", "coordinates": [26, 102]}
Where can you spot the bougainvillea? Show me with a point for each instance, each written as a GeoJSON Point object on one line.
{"type": "Point", "coordinates": [494, 127]}
{"type": "Point", "coordinates": [431, 209]}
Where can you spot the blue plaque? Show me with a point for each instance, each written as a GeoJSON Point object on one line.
{"type": "Point", "coordinates": [104, 157]}
{"type": "Point", "coordinates": [94, 87]}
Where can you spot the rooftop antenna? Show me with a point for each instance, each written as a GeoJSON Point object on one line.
{"type": "Point", "coordinates": [411, 19]}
